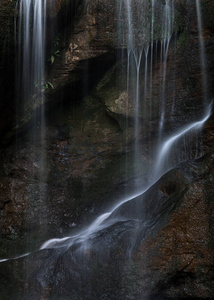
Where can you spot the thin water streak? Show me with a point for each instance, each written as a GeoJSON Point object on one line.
{"type": "Point", "coordinates": [104, 221]}
{"type": "Point", "coordinates": [202, 52]}
{"type": "Point", "coordinates": [100, 223]}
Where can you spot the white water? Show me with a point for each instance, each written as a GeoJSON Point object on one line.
{"type": "Point", "coordinates": [139, 44]}
{"type": "Point", "coordinates": [161, 168]}
{"type": "Point", "coordinates": [31, 74]}
{"type": "Point", "coordinates": [129, 20]}
{"type": "Point", "coordinates": [31, 46]}
{"type": "Point", "coordinates": [140, 53]}
{"type": "Point", "coordinates": [14, 258]}
{"type": "Point", "coordinates": [31, 63]}
{"type": "Point", "coordinates": [161, 165]}
{"type": "Point", "coordinates": [34, 72]}
{"type": "Point", "coordinates": [31, 82]}
{"type": "Point", "coordinates": [98, 224]}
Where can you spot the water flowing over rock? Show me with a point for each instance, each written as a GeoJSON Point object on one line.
{"type": "Point", "coordinates": [163, 244]}
{"type": "Point", "coordinates": [123, 93]}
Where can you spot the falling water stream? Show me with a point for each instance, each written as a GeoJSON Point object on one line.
{"type": "Point", "coordinates": [161, 167]}
{"type": "Point", "coordinates": [138, 54]}
{"type": "Point", "coordinates": [31, 83]}
{"type": "Point", "coordinates": [31, 52]}
{"type": "Point", "coordinates": [202, 52]}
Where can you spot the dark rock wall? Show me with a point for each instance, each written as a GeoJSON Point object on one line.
{"type": "Point", "coordinates": [88, 148]}
{"type": "Point", "coordinates": [7, 64]}
{"type": "Point", "coordinates": [161, 247]}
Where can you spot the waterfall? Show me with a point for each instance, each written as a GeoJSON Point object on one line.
{"type": "Point", "coordinates": [139, 43]}
{"type": "Point", "coordinates": [161, 166]}
{"type": "Point", "coordinates": [31, 85]}
{"type": "Point", "coordinates": [167, 30]}
{"type": "Point", "coordinates": [31, 53]}
{"type": "Point", "coordinates": [162, 163]}
{"type": "Point", "coordinates": [138, 35]}
{"type": "Point", "coordinates": [137, 64]}
{"type": "Point", "coordinates": [31, 71]}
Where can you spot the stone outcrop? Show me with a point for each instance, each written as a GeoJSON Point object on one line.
{"type": "Point", "coordinates": [162, 244]}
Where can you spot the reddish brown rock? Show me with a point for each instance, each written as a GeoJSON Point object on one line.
{"type": "Point", "coordinates": [87, 156]}
{"type": "Point", "coordinates": [12, 206]}
{"type": "Point", "coordinates": [161, 246]}
{"type": "Point", "coordinates": [180, 257]}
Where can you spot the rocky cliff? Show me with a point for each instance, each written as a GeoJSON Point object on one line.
{"type": "Point", "coordinates": [89, 156]}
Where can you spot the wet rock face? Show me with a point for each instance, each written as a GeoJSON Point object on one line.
{"type": "Point", "coordinates": [183, 89]}
{"type": "Point", "coordinates": [12, 206]}
{"type": "Point", "coordinates": [162, 244]}
{"type": "Point", "coordinates": [86, 32]}
{"type": "Point", "coordinates": [184, 248]}
{"type": "Point", "coordinates": [51, 188]}
{"type": "Point", "coordinates": [90, 49]}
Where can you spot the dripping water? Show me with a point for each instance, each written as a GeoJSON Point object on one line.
{"type": "Point", "coordinates": [167, 31]}
{"type": "Point", "coordinates": [137, 58]}
{"type": "Point", "coordinates": [31, 25]}
{"type": "Point", "coordinates": [136, 55]}
{"type": "Point", "coordinates": [31, 30]}
{"type": "Point", "coordinates": [202, 53]}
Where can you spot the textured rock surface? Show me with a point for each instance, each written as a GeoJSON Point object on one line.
{"type": "Point", "coordinates": [92, 45]}
{"type": "Point", "coordinates": [184, 248]}
{"type": "Point", "coordinates": [89, 162]}
{"type": "Point", "coordinates": [163, 244]}
{"type": "Point", "coordinates": [76, 156]}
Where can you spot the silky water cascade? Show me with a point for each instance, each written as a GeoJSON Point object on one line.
{"type": "Point", "coordinates": [31, 59]}
{"type": "Point", "coordinates": [30, 31]}
{"type": "Point", "coordinates": [112, 257]}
